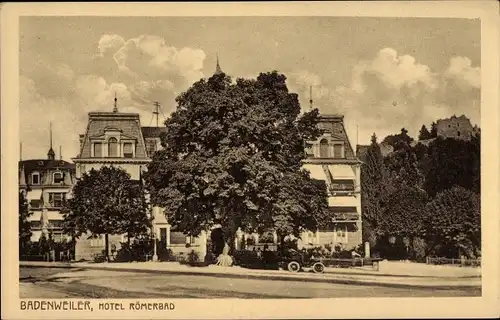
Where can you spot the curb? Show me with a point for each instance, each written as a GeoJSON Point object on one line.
{"type": "Point", "coordinates": [262, 277]}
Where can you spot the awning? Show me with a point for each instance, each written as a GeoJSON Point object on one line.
{"type": "Point", "coordinates": [316, 171]}
{"type": "Point", "coordinates": [344, 213]}
{"type": "Point", "coordinates": [341, 171]}
{"type": "Point", "coordinates": [36, 216]}
{"type": "Point", "coordinates": [34, 194]}
{"type": "Point", "coordinates": [54, 215]}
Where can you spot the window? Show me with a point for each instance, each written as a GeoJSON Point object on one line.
{"type": "Point", "coordinates": [337, 150]}
{"type": "Point", "coordinates": [112, 147]}
{"type": "Point", "coordinates": [150, 147]}
{"type": "Point", "coordinates": [323, 149]}
{"type": "Point", "coordinates": [58, 178]}
{"type": "Point", "coordinates": [458, 133]}
{"type": "Point", "coordinates": [341, 233]}
{"type": "Point", "coordinates": [56, 200]}
{"type": "Point", "coordinates": [127, 150]}
{"type": "Point", "coordinates": [57, 236]}
{"type": "Point", "coordinates": [35, 178]}
{"type": "Point", "coordinates": [177, 238]}
{"type": "Point", "coordinates": [97, 149]}
{"type": "Point", "coordinates": [97, 241]}
{"type": "Point", "coordinates": [163, 235]}
{"type": "Point", "coordinates": [339, 185]}
{"type": "Point", "coordinates": [36, 203]}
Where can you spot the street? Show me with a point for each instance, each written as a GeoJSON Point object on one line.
{"type": "Point", "coordinates": [79, 283]}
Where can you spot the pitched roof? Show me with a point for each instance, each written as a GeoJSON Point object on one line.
{"type": "Point", "coordinates": [333, 124]}
{"type": "Point", "coordinates": [41, 165]}
{"type": "Point", "coordinates": [127, 123]}
{"type": "Point", "coordinates": [153, 132]}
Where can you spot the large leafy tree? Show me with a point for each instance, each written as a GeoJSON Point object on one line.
{"type": "Point", "coordinates": [232, 156]}
{"type": "Point", "coordinates": [106, 202]}
{"type": "Point", "coordinates": [24, 224]}
{"type": "Point", "coordinates": [453, 223]}
{"type": "Point", "coordinates": [403, 212]}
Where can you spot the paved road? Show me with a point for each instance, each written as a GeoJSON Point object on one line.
{"type": "Point", "coordinates": [73, 283]}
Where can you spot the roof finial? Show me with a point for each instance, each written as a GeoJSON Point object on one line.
{"type": "Point", "coordinates": [51, 154]}
{"type": "Point", "coordinates": [218, 70]}
{"type": "Point", "coordinates": [115, 108]}
{"type": "Point", "coordinates": [310, 98]}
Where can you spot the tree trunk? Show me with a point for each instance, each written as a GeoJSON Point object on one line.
{"type": "Point", "coordinates": [128, 239]}
{"type": "Point", "coordinates": [106, 247]}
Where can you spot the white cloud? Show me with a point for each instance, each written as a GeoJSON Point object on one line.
{"type": "Point", "coordinates": [392, 91]}
{"type": "Point", "coordinates": [461, 69]}
{"type": "Point", "coordinates": [148, 56]}
{"type": "Point", "coordinates": [109, 42]}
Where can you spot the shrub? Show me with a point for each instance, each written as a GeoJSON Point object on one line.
{"type": "Point", "coordinates": [138, 250]}
{"type": "Point", "coordinates": [193, 257]}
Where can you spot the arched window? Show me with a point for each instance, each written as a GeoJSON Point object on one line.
{"type": "Point", "coordinates": [112, 147]}
{"type": "Point", "coordinates": [323, 149]}
{"type": "Point", "coordinates": [97, 149]}
{"type": "Point", "coordinates": [57, 177]}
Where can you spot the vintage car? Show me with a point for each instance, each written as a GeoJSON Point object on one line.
{"type": "Point", "coordinates": [294, 261]}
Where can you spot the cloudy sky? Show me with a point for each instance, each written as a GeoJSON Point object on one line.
{"type": "Point", "coordinates": [381, 73]}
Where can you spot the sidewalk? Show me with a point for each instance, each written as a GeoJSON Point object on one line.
{"type": "Point", "coordinates": [340, 276]}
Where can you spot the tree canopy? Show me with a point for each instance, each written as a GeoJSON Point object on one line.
{"type": "Point", "coordinates": [398, 141]}
{"type": "Point", "coordinates": [106, 202]}
{"type": "Point", "coordinates": [24, 224]}
{"type": "Point", "coordinates": [454, 222]}
{"type": "Point", "coordinates": [233, 155]}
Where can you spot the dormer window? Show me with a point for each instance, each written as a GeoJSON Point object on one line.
{"type": "Point", "coordinates": [112, 148]}
{"type": "Point", "coordinates": [338, 150]}
{"type": "Point", "coordinates": [35, 178]}
{"type": "Point", "coordinates": [323, 149]}
{"type": "Point", "coordinates": [128, 150]}
{"type": "Point", "coordinates": [97, 149]}
{"type": "Point", "coordinates": [58, 178]}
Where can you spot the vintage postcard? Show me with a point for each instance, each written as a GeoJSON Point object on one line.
{"type": "Point", "coordinates": [250, 160]}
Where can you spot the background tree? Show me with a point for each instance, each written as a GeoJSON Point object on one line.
{"type": "Point", "coordinates": [233, 156]}
{"type": "Point", "coordinates": [433, 133]}
{"type": "Point", "coordinates": [24, 224]}
{"type": "Point", "coordinates": [453, 225]}
{"type": "Point", "coordinates": [372, 174]}
{"type": "Point", "coordinates": [106, 202]}
{"type": "Point", "coordinates": [424, 134]}
{"type": "Point", "coordinates": [398, 141]}
{"type": "Point", "coordinates": [453, 162]}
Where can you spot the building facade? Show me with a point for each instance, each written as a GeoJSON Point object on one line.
{"type": "Point", "coordinates": [118, 139]}
{"type": "Point", "coordinates": [332, 159]}
{"type": "Point", "coordinates": [456, 128]}
{"type": "Point", "coordinates": [46, 184]}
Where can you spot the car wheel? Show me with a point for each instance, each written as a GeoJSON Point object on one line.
{"type": "Point", "coordinates": [318, 267]}
{"type": "Point", "coordinates": [294, 266]}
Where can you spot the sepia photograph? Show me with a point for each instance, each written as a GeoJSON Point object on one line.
{"type": "Point", "coordinates": [248, 157]}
